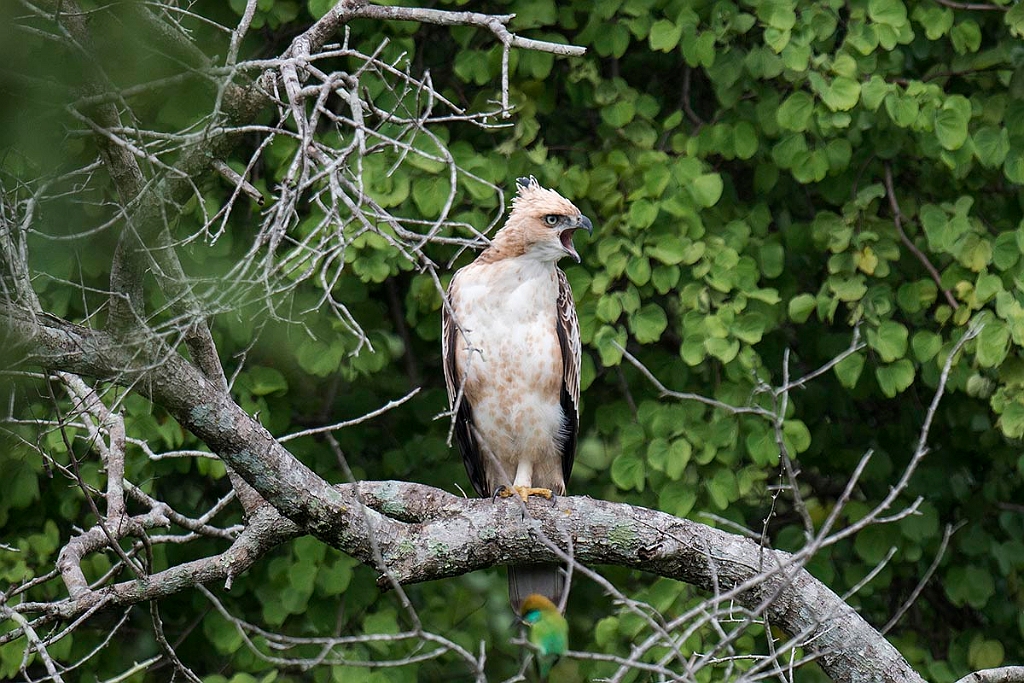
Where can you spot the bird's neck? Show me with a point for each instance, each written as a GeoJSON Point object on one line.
{"type": "Point", "coordinates": [507, 244]}
{"type": "Point", "coordinates": [510, 243]}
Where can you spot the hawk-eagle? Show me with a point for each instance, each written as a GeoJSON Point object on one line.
{"type": "Point", "coordinates": [511, 347]}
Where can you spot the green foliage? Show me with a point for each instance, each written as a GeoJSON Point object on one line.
{"type": "Point", "coordinates": [733, 157]}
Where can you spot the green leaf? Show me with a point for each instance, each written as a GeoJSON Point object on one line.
{"type": "Point", "coordinates": [1015, 19]}
{"type": "Point", "coordinates": [642, 213]}
{"type": "Point", "coordinates": [1011, 421]}
{"type": "Point", "coordinates": [678, 458]}
{"type": "Point", "coordinates": [923, 525]}
{"type": "Point", "coordinates": [969, 585]}
{"type": "Point", "coordinates": [317, 8]}
{"type": "Point", "coordinates": [801, 306]}
{"type": "Point", "coordinates": [993, 344]}
{"type": "Point", "coordinates": [607, 630]}
{"type": "Point", "coordinates": [789, 150]}
{"type": "Point", "coordinates": [895, 378]}
{"type": "Point", "coordinates": [874, 91]}
{"type": "Point", "coordinates": [670, 250]}
{"type": "Point", "coordinates": [848, 289]}
{"type": "Point", "coordinates": [891, 12]}
{"type": "Point", "coordinates": [699, 49]}
{"type": "Point", "coordinates": [638, 270]}
{"type": "Point", "coordinates": [706, 189]}
{"type": "Point", "coordinates": [925, 345]}
{"type": "Point", "coordinates": [384, 621]}
{"type": "Point", "coordinates": [319, 359]}
{"type": "Point", "coordinates": [722, 488]}
{"type": "Point", "coordinates": [873, 544]}
{"type": "Point", "coordinates": [988, 286]}
{"type": "Point", "coordinates": [974, 252]}
{"type": "Point", "coordinates": [664, 35]}
{"type": "Point", "coordinates": [430, 193]}
{"type": "Point", "coordinates": [610, 342]}
{"type": "Point", "coordinates": [334, 578]}
{"type": "Point", "coordinates": [628, 472]}
{"type": "Point", "coordinates": [665, 278]}
{"type": "Point", "coordinates": [221, 633]}
{"type": "Point", "coordinates": [936, 20]}
{"type": "Point", "coordinates": [648, 324]}
{"type": "Point", "coordinates": [991, 145]}
{"type": "Point", "coordinates": [966, 36]}
{"type": "Point", "coordinates": [749, 327]}
{"type": "Point", "coordinates": [778, 14]}
{"type": "Point", "coordinates": [1013, 167]}
{"type": "Point", "coordinates": [657, 453]}
{"type": "Point", "coordinates": [811, 167]}
{"type": "Point", "coordinates": [670, 457]}
{"type": "Point", "coordinates": [619, 114]}
{"type": "Point", "coordinates": [901, 108]}
{"type": "Point", "coordinates": [842, 94]}
{"type": "Point", "coordinates": [722, 349]}
{"type": "Point", "coordinates": [914, 297]}
{"type": "Point", "coordinates": [745, 140]}
{"type": "Point", "coordinates": [612, 40]}
{"type": "Point", "coordinates": [1005, 252]}
{"type": "Point", "coordinates": [937, 227]}
{"type": "Point", "coordinates": [263, 381]}
{"type": "Point", "coordinates": [761, 446]}
{"type": "Point", "coordinates": [890, 340]}
{"type": "Point", "coordinates": [609, 308]}
{"type": "Point", "coordinates": [796, 436]}
{"type": "Point", "coordinates": [677, 498]}
{"type": "Point", "coordinates": [985, 654]}
{"type": "Point", "coordinates": [795, 112]}
{"type": "Point", "coordinates": [951, 122]}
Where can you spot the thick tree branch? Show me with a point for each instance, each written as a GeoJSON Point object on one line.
{"type": "Point", "coordinates": [1003, 674]}
{"type": "Point", "coordinates": [423, 533]}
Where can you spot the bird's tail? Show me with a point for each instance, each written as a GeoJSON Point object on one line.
{"type": "Point", "coordinates": [544, 579]}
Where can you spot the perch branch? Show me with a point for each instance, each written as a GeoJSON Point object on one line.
{"type": "Point", "coordinates": [423, 533]}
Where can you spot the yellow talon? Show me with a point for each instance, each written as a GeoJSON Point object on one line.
{"type": "Point", "coordinates": [525, 492]}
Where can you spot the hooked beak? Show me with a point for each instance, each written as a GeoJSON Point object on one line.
{"type": "Point", "coordinates": [582, 223]}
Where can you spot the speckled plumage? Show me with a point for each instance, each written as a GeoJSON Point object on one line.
{"type": "Point", "coordinates": [512, 357]}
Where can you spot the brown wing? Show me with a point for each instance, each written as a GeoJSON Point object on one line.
{"type": "Point", "coordinates": [569, 340]}
{"type": "Point", "coordinates": [463, 417]}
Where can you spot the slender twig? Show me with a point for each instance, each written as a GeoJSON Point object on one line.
{"type": "Point", "coordinates": [912, 598]}
{"type": "Point", "coordinates": [348, 423]}
{"type": "Point", "coordinates": [898, 222]}
{"type": "Point", "coordinates": [35, 642]}
{"type": "Point", "coordinates": [975, 6]}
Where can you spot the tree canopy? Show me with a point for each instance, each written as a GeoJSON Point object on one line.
{"type": "Point", "coordinates": [802, 314]}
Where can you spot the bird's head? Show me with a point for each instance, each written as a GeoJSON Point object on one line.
{"type": "Point", "coordinates": [535, 607]}
{"type": "Point", "coordinates": [544, 221]}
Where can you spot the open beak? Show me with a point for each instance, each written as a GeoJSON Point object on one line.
{"type": "Point", "coordinates": [582, 223]}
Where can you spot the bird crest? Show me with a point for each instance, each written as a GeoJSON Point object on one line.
{"type": "Point", "coordinates": [537, 200]}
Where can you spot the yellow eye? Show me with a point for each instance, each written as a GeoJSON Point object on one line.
{"type": "Point", "coordinates": [551, 219]}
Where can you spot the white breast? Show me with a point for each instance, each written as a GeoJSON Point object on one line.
{"type": "Point", "coordinates": [512, 365]}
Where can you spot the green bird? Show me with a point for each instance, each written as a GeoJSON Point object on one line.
{"type": "Point", "coordinates": [549, 632]}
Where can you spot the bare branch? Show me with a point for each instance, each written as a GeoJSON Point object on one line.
{"type": "Point", "coordinates": [897, 217]}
